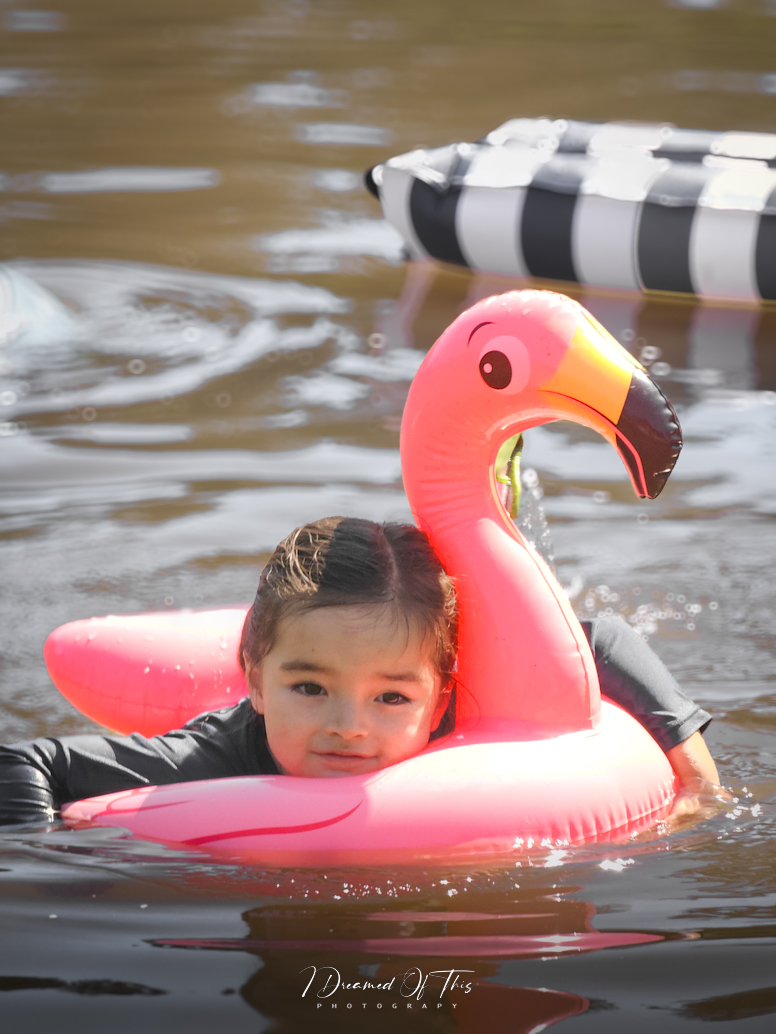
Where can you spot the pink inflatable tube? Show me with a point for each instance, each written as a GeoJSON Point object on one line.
{"type": "Point", "coordinates": [536, 758]}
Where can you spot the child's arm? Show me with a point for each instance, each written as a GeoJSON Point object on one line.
{"type": "Point", "coordinates": [635, 678]}
{"type": "Point", "coordinates": [692, 761]}
{"type": "Point", "coordinates": [36, 778]}
{"type": "Point", "coordinates": [694, 765]}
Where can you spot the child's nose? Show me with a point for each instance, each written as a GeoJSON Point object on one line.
{"type": "Point", "coordinates": [347, 721]}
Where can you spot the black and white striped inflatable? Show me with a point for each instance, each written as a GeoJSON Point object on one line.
{"type": "Point", "coordinates": [637, 206]}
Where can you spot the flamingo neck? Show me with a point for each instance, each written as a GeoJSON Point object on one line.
{"type": "Point", "coordinates": [522, 653]}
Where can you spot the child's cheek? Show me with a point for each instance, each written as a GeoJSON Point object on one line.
{"type": "Point", "coordinates": [406, 734]}
{"type": "Point", "coordinates": [286, 738]}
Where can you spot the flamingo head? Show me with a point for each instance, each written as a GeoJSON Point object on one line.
{"type": "Point", "coordinates": [529, 357]}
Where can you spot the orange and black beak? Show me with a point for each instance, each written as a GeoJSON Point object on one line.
{"type": "Point", "coordinates": [599, 384]}
{"type": "Point", "coordinates": [649, 437]}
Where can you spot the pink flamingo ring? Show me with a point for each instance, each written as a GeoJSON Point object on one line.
{"type": "Point", "coordinates": [537, 757]}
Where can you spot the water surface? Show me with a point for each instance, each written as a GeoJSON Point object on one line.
{"type": "Point", "coordinates": [208, 335]}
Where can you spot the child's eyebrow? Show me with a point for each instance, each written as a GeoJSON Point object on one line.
{"type": "Point", "coordinates": [304, 666]}
{"type": "Point", "coordinates": [401, 676]}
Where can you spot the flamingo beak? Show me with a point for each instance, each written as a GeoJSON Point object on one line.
{"type": "Point", "coordinates": [622, 402]}
{"type": "Point", "coordinates": [649, 437]}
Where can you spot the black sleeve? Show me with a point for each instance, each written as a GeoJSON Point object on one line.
{"type": "Point", "coordinates": [37, 778]}
{"type": "Point", "coordinates": [635, 678]}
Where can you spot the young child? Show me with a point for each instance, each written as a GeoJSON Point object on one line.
{"type": "Point", "coordinates": [349, 652]}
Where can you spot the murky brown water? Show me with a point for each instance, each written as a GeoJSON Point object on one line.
{"type": "Point", "coordinates": [208, 338]}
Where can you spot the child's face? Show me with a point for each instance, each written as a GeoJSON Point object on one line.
{"type": "Point", "coordinates": [346, 690]}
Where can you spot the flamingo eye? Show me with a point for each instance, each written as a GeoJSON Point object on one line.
{"type": "Point", "coordinates": [496, 370]}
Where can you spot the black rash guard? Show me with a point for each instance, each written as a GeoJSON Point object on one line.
{"type": "Point", "coordinates": [36, 778]}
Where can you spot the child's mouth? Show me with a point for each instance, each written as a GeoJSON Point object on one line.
{"type": "Point", "coordinates": [343, 759]}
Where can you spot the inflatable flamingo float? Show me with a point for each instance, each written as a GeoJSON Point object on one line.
{"type": "Point", "coordinates": [537, 757]}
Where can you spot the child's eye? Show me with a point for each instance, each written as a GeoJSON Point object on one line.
{"type": "Point", "coordinates": [392, 697]}
{"type": "Point", "coordinates": [309, 689]}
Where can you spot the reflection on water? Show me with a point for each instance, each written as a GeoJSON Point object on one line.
{"type": "Point", "coordinates": [207, 334]}
{"type": "Point", "coordinates": [505, 945]}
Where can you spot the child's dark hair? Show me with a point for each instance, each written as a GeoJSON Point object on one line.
{"type": "Point", "coordinates": [341, 561]}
